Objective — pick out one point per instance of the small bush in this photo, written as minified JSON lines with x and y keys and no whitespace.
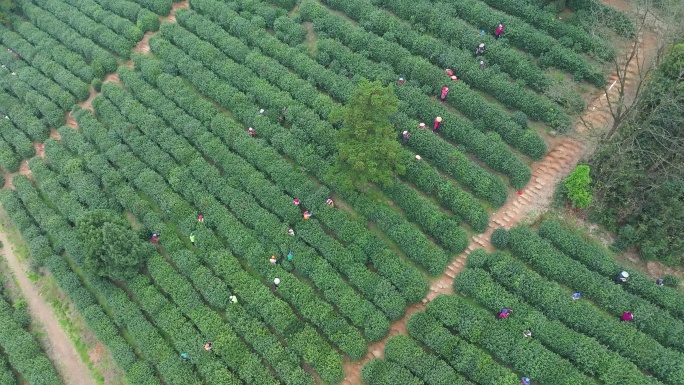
{"x":500,"y":238}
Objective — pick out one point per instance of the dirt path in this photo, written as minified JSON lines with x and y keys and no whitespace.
{"x":61,"y":351}
{"x":534,"y":198}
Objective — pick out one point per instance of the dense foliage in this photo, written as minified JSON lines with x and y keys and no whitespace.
{"x":576,"y":187}
{"x":367,"y":148}
{"x":639,"y":172}
{"x":111,"y":247}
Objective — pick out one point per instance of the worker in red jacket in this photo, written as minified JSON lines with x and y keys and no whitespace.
{"x":438,"y":123}
{"x":499,"y":31}
{"x":445,"y":92}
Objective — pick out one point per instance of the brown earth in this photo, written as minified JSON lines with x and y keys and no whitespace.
{"x":61,"y":351}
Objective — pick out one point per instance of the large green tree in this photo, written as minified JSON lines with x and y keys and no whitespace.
{"x":111,"y":247}
{"x":367,"y":144}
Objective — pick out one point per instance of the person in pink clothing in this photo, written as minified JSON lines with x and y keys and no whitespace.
{"x":627,"y":316}
{"x":438,"y":123}
{"x":499,"y":31}
{"x":445,"y":92}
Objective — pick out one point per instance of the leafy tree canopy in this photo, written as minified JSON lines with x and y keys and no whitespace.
{"x":111,"y":247}
{"x":367,"y":144}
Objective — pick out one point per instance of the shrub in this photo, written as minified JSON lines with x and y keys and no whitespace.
{"x":520,"y":119}
{"x":500,"y":238}
{"x":577,"y":186}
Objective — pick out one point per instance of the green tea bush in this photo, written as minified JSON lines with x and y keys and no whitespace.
{"x":417,"y":246}
{"x":579,"y":39}
{"x":289,"y":31}
{"x":23,"y":352}
{"x":70,"y":60}
{"x":528,"y":246}
{"x":117,"y":24}
{"x":595,"y":259}
{"x":503,"y":339}
{"x":90,"y":29}
{"x":381,"y":371}
{"x":500,"y":238}
{"x":100,"y":60}
{"x":22,"y":145}
{"x":582,"y":316}
{"x":584,"y":352}
{"x":529,"y":39}
{"x":458,"y":353}
{"x":407,"y":353}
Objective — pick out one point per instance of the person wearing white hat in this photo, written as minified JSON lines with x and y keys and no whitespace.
{"x":418,"y":158}
{"x":276,"y":282}
{"x":421,"y":126}
{"x":261,"y":111}
{"x":404,"y":137}
{"x":622,"y":277}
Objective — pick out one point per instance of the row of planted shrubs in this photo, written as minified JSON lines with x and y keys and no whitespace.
{"x":290,"y":179}
{"x":29,"y":86}
{"x":420,"y":70}
{"x":211,"y":287}
{"x":553,"y":264}
{"x":24,"y":117}
{"x":23,"y":352}
{"x":459,"y":201}
{"x":483,"y":183}
{"x":570,"y":35}
{"x":584,"y":352}
{"x":529,"y":39}
{"x":151,"y":185}
{"x":43,"y":254}
{"x":503,"y":340}
{"x":190,"y":341}
{"x":596,"y":259}
{"x":42,"y":61}
{"x":464,"y":204}
{"x":90,"y":29}
{"x":423,"y":253}
{"x":132,"y":319}
{"x":366,"y":315}
{"x":449,"y":235}
{"x":99,"y":58}
{"x":554,"y":301}
{"x":278,"y":202}
{"x":145,"y":336}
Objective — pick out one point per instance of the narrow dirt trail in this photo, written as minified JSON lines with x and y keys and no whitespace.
{"x":536,"y":196}
{"x":61,"y":352}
